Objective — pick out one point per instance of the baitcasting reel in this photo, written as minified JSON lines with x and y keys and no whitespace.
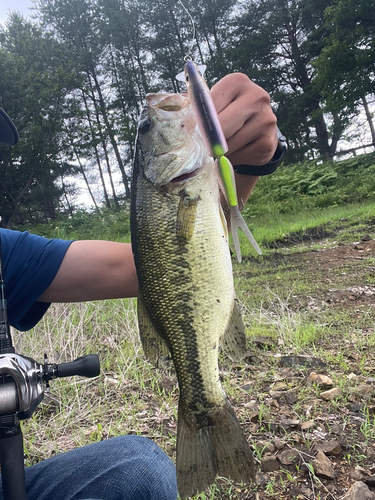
{"x":22,"y":383}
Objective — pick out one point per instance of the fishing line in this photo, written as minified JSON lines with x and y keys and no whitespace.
{"x":187,"y":55}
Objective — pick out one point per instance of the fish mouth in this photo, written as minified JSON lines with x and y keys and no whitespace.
{"x":167,"y":102}
{"x":185,"y":176}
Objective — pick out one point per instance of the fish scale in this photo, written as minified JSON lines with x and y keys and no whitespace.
{"x":186,"y":299}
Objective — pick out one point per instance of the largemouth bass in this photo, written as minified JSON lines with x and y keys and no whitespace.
{"x":186,"y":302}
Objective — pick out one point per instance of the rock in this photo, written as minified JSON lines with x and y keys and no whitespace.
{"x":290,"y":398}
{"x":337,"y":429}
{"x":351,"y":376}
{"x":168,"y":384}
{"x":323,"y":466}
{"x":366,"y":237}
{"x":329,"y":447}
{"x":261,"y":479}
{"x":278,"y":444}
{"x":358,"y":473}
{"x":254,"y":417}
{"x":264,"y":342}
{"x":370,"y":454}
{"x":279,"y":386}
{"x":359,"y":491}
{"x":365,"y":390}
{"x":305,"y":426}
{"x":305,"y":490}
{"x":331,"y":394}
{"x":370,"y":481}
{"x":307,"y":361}
{"x":288,"y":423}
{"x":323,"y":380}
{"x":269,"y":463}
{"x":264,"y":447}
{"x":289,"y":457}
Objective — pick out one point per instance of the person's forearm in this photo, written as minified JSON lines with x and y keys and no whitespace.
{"x":93,"y":270}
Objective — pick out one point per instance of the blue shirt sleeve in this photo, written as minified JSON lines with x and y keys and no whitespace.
{"x":30,"y":264}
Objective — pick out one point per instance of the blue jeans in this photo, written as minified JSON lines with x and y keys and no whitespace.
{"x":123,"y":468}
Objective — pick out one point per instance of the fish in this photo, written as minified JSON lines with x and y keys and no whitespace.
{"x":186,"y":302}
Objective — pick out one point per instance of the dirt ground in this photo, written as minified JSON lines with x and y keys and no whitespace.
{"x":314,"y":437}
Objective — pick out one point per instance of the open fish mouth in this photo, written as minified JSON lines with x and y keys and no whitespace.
{"x":167,"y":102}
{"x":185,"y":176}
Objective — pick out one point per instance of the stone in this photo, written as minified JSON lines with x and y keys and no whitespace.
{"x":329,"y":447}
{"x":264,"y":342}
{"x":307,"y":361}
{"x":279,"y":386}
{"x":261,"y":479}
{"x":269,"y":463}
{"x":337,"y":429}
{"x":278,"y":444}
{"x":289,"y":457}
{"x":365,"y":390}
{"x":331,"y":394}
{"x":323,"y":467}
{"x":305,"y":426}
{"x":318,"y":379}
{"x":264,"y":447}
{"x":254,"y":417}
{"x":366,"y":237}
{"x":288,"y":423}
{"x":359,"y":491}
{"x":290,"y":397}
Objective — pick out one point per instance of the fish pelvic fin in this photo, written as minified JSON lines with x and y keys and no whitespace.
{"x":218,"y":448}
{"x":153,"y":344}
{"x":233,"y":341}
{"x":237,"y":222}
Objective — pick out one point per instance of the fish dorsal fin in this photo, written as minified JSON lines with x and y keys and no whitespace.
{"x":153,"y":344}
{"x":187,"y":210}
{"x":233,"y":341}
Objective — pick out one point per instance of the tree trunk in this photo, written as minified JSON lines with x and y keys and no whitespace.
{"x":96,"y":150}
{"x":369,"y":119}
{"x":110,"y":131}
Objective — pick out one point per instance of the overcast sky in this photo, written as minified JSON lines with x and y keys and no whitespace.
{"x":7,"y":6}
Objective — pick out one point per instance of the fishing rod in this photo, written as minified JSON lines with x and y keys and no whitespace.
{"x":22,"y":383}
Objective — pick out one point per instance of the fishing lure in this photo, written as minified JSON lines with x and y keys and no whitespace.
{"x":208,"y":121}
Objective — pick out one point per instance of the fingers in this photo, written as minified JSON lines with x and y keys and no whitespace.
{"x":247,"y":119}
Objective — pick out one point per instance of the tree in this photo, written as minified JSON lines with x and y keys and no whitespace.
{"x":35,"y":80}
{"x":346,"y":66}
{"x":276,"y":42}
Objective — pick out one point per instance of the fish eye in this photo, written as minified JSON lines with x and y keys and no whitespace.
{"x":187,"y":78}
{"x":145,"y":126}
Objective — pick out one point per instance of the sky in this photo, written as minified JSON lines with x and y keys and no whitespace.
{"x":7,"y":6}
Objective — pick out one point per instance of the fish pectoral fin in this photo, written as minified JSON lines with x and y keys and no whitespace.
{"x":233,"y":341}
{"x":186,"y":213}
{"x":154,"y":346}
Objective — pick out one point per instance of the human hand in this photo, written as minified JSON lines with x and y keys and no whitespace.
{"x":247,"y":119}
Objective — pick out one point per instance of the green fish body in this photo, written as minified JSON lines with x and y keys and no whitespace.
{"x":186,"y":302}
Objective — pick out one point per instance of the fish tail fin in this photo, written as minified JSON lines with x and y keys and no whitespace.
{"x":219,"y":447}
{"x":233,"y":455}
{"x":237,"y":222}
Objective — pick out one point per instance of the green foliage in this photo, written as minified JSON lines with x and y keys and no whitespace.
{"x":346,"y":64}
{"x":313,"y":185}
{"x":104,"y":224}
